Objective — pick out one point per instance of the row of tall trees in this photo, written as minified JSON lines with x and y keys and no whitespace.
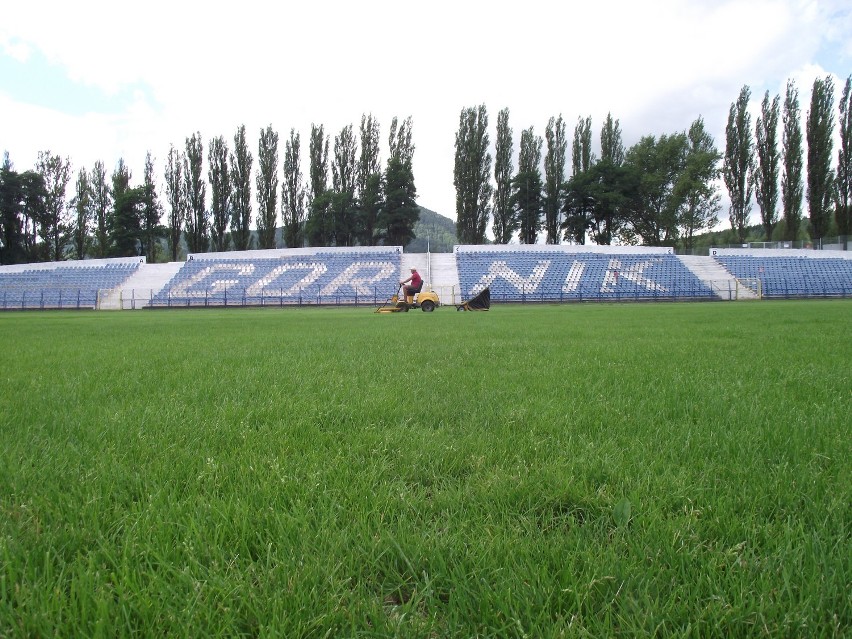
{"x":653,"y":193}
{"x":663,"y":190}
{"x":363,"y":205}
{"x":753,"y":162}
{"x":104,"y":217}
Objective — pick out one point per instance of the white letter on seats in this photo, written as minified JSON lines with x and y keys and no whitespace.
{"x":359,"y":284}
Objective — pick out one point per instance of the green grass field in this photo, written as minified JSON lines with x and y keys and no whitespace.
{"x":534,"y":471}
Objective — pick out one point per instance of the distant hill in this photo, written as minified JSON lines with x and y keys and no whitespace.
{"x":440,"y":232}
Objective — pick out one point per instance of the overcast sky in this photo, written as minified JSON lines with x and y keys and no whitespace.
{"x":100,"y":80}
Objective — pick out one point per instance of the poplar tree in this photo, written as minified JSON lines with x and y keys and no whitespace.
{"x":220,"y":192}
{"x":578,"y":203}
{"x":527,"y":199}
{"x":82,"y":204}
{"x":601,"y":185}
{"x":582,"y":157}
{"x":768,"y":163}
{"x":400,"y":211}
{"x":152,"y":229}
{"x":819,"y":129}
{"x":320,"y":228}
{"x":843,"y":180}
{"x":101,"y":206}
{"x":370,"y":187}
{"x":471,"y":176}
{"x":12,"y":198}
{"x":344,"y":184}
{"x":176,"y":200}
{"x":195,"y":192}
{"x":293,"y":192}
{"x":241,"y":164}
{"x":126,"y":218}
{"x":739,"y":163}
{"x":612,"y":148}
{"x":554,"y":177}
{"x":267,"y":187}
{"x":505,"y":222}
{"x":56,"y":225}
{"x":792,"y":188}
{"x":33,"y":210}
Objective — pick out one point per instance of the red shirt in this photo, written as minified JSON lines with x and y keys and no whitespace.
{"x":416,"y":280}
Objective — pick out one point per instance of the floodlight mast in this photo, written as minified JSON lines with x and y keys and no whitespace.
{"x":428,"y":262}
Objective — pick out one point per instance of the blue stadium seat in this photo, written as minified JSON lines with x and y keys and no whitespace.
{"x":321,"y":278}
{"x":559,"y":275}
{"x":789,"y":277}
{"x":61,"y":286}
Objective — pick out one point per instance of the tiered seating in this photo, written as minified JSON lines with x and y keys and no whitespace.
{"x":560,"y":275}
{"x":320,"y":278}
{"x":794,"y":276}
{"x":61,"y":286}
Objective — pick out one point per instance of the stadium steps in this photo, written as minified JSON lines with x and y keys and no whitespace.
{"x":140,"y":287}
{"x":709,"y":271}
{"x":438,"y":271}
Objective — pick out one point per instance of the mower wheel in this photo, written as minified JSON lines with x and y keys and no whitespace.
{"x":428,"y":306}
{"x":460,"y":308}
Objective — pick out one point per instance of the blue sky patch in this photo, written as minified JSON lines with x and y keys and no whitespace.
{"x":42,"y":83}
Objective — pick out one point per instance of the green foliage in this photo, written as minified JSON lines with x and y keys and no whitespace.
{"x":126,"y":232}
{"x":739,"y":162}
{"x":582,"y":157}
{"x":293,"y":193}
{"x":767,"y":167}
{"x":241,"y":163}
{"x":126,"y":221}
{"x":695,"y":187}
{"x":22,"y":206}
{"x":843,"y":189}
{"x":505,"y":221}
{"x":472,"y":175}
{"x":527,"y":189}
{"x":655,"y":167}
{"x":400,"y":212}
{"x":151,"y":214}
{"x":220,"y":192}
{"x":102,"y":208}
{"x":320,"y":225}
{"x":819,"y":131}
{"x":176,"y":198}
{"x":370,"y":204}
{"x":267,"y":187}
{"x":554,"y":178}
{"x":82,"y":205}
{"x":792,"y":187}
{"x":195,"y":192}
{"x":344,"y":182}
{"x":55,"y":225}
{"x":370,"y":182}
{"x":664,"y":485}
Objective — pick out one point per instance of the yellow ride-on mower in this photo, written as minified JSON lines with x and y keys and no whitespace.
{"x":424,"y":300}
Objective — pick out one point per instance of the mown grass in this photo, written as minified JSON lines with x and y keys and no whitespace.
{"x":540,"y":471}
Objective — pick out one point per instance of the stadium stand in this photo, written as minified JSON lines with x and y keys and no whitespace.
{"x":570,"y":273}
{"x":263,"y":278}
{"x":800,"y":275}
{"x":58,"y":285}
{"x":370,"y":275}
